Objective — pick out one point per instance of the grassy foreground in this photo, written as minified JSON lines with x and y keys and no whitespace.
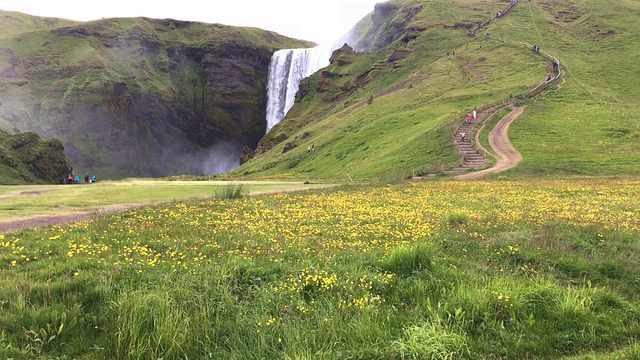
{"x":19,"y":202}
{"x":432,"y":270}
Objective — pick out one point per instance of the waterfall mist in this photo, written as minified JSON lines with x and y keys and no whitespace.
{"x":288,"y":67}
{"x":221,"y":158}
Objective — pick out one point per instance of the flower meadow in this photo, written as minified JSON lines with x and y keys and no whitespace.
{"x":426,"y":270}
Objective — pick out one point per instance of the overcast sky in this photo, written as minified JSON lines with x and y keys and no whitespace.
{"x":320,"y":21}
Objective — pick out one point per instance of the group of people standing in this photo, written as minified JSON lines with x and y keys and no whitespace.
{"x":75,"y":179}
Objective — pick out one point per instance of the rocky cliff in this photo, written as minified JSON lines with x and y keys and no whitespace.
{"x":139,"y":97}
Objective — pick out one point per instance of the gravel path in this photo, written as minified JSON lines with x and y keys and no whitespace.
{"x":508,"y":156}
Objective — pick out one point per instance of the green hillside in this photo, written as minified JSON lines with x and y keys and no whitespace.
{"x":391,"y":112}
{"x":15,"y":23}
{"x":137,"y":96}
{"x":25,"y":158}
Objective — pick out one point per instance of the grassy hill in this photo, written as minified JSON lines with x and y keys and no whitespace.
{"x":15,"y":23}
{"x":391,"y":113}
{"x":137,"y":96}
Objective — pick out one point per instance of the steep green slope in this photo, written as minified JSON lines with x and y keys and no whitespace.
{"x":26,"y":159}
{"x":392,"y":112}
{"x":140,"y":97}
{"x":592,"y":124}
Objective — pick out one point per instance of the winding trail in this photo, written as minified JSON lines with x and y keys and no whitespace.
{"x":508,"y":156}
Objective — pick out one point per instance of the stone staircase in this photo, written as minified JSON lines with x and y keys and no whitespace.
{"x":471,"y":158}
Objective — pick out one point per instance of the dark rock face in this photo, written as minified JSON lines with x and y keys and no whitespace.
{"x":151,"y":99}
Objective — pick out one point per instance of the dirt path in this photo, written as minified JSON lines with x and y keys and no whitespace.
{"x":508,"y":156}
{"x":48,"y":220}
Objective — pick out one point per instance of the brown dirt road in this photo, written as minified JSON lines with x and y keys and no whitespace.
{"x":508,"y":156}
{"x":48,"y":220}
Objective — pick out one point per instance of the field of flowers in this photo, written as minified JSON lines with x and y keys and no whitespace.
{"x":433,"y":270}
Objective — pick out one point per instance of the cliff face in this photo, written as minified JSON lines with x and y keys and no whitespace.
{"x":140,"y":97}
{"x":389,"y":21}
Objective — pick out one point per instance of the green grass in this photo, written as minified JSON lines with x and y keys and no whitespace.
{"x":588,"y":125}
{"x":15,"y":23}
{"x":27,"y":201}
{"x":441,"y":269}
{"x":407,"y":130}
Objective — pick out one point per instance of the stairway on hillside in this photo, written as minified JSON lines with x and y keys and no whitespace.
{"x":471,"y":156}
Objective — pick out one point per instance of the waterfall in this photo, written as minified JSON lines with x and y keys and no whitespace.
{"x":287,"y":69}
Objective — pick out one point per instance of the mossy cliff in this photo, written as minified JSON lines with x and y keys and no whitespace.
{"x":137,"y":96}
{"x":26,"y":158}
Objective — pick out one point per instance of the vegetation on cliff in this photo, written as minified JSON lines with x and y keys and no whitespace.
{"x":138,"y":96}
{"x":25,"y":158}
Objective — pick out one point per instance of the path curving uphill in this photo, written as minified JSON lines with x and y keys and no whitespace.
{"x":508,"y":156}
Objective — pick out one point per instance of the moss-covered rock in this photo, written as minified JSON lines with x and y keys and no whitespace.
{"x":26,"y":158}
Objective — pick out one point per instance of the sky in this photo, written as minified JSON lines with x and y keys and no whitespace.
{"x":321,"y":21}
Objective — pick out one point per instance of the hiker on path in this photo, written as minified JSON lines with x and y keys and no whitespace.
{"x":469,"y":117}
{"x":76,"y":179}
{"x":475,"y":114}
{"x":462,"y":135}
{"x":86,"y":179}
